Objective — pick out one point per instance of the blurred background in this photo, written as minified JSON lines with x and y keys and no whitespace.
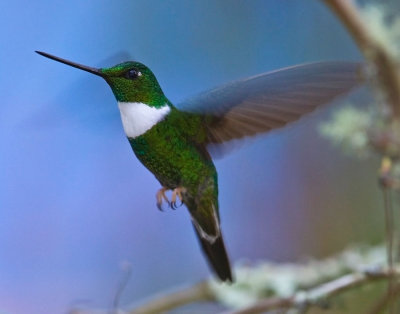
{"x":75,"y":203}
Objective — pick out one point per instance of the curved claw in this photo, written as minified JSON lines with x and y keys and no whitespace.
{"x":160,"y":196}
{"x":175,"y":205}
{"x":177,"y":194}
{"x":160,"y":206}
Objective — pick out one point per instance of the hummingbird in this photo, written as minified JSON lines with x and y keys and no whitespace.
{"x":175,"y":142}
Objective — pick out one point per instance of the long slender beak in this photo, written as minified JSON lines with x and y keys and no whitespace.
{"x":73,"y":64}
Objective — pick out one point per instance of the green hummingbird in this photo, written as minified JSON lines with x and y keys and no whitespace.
{"x":174,"y":142}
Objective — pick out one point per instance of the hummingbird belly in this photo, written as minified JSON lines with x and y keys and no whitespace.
{"x":173,"y":159}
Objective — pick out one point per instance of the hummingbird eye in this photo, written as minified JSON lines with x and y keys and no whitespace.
{"x":132,"y":74}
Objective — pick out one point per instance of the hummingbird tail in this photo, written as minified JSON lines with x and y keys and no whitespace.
{"x":216,"y":255}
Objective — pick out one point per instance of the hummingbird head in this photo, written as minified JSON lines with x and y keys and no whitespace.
{"x":130,"y":81}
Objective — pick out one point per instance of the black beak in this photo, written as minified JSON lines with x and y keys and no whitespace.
{"x":73,"y":64}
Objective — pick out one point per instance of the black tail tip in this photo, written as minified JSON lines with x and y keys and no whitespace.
{"x":228,"y":279}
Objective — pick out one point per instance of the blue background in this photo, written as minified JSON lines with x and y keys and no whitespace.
{"x":74,"y":201}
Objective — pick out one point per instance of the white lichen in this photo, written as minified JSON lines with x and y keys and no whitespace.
{"x":349,"y":128}
{"x":383,"y":26}
{"x":269,"y":279}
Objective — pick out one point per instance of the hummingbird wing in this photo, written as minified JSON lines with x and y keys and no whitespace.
{"x":270,"y":100}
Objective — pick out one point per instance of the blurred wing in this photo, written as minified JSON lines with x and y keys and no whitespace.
{"x":270,"y":100}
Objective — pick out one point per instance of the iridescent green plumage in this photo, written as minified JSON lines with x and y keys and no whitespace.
{"x":146,"y":90}
{"x":173,"y":150}
{"x":174,"y":143}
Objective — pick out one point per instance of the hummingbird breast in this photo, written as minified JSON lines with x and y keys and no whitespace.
{"x":167,"y":150}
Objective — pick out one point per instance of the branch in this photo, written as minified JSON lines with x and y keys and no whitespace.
{"x":313,"y":297}
{"x":266,"y":305}
{"x":348,"y":14}
{"x":197,"y":293}
{"x":260,"y":288}
{"x":300,"y":300}
{"x":386,"y":66}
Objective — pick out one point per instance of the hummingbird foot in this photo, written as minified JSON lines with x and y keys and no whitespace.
{"x":177,"y":193}
{"x":160,"y":196}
